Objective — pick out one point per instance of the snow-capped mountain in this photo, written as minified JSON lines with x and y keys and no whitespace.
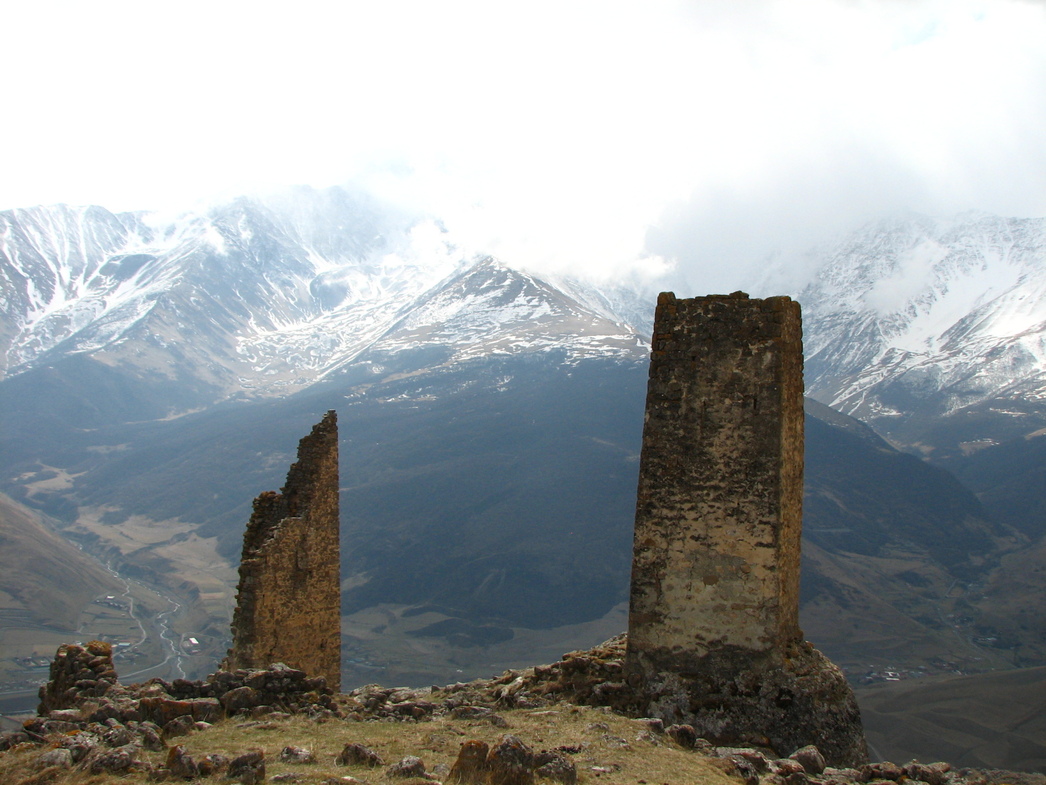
{"x":257,"y":298}
{"x":489,"y":308}
{"x":188,"y":297}
{"x":907,"y":317}
{"x":916,"y":316}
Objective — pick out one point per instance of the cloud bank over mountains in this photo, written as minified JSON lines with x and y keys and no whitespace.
{"x":567,"y":136}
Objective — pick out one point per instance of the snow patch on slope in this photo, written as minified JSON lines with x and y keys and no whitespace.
{"x":954,"y":308}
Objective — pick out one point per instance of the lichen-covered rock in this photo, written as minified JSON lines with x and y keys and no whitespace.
{"x":810,"y":758}
{"x":683,"y":735}
{"x":883,"y":770}
{"x":116,"y":761}
{"x":554,"y":766}
{"x":119,"y":736}
{"x":786,"y":766}
{"x":60,"y":757}
{"x":212,"y":764}
{"x":470,"y":767}
{"x":248,"y":768}
{"x":179,"y":726}
{"x":293,"y":754}
{"x":77,"y":672}
{"x":782,"y":703}
{"x":354,"y":754}
{"x":737,"y":767}
{"x":752,"y":756}
{"x":12,"y":739}
{"x":410,"y":766}
{"x":180,"y":764}
{"x":240,"y":699}
{"x":930,"y":773}
{"x":510,"y":762}
{"x":81,"y":745}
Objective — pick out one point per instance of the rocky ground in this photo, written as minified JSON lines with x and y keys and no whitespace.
{"x":567,"y":722}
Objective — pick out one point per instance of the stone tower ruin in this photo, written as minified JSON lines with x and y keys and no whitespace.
{"x":713,"y":635}
{"x":288,"y":602}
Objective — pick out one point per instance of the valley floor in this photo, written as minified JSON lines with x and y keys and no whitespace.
{"x":993,"y":719}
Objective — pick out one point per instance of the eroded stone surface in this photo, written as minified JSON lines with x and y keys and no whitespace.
{"x":714,"y":638}
{"x":288,"y":605}
{"x":719,"y":510}
{"x":78,"y":672}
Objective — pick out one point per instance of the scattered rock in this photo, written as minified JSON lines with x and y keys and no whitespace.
{"x":179,"y":726}
{"x":683,"y":735}
{"x":410,"y":766}
{"x":786,"y":766}
{"x":180,"y":764}
{"x":653,"y":724}
{"x":66,"y":715}
{"x":738,"y":768}
{"x":248,"y":768}
{"x":470,"y":767}
{"x":297,"y":755}
{"x":60,"y":757}
{"x":81,"y":745}
{"x":358,"y":755}
{"x":210,"y":765}
{"x":151,"y":737}
{"x":930,"y":773}
{"x":11,"y":739}
{"x":752,"y":756}
{"x":470,"y":712}
{"x":119,"y":736}
{"x":555,"y":766}
{"x":880,"y":771}
{"x":103,"y":735}
{"x":239,"y":700}
{"x":117,"y":761}
{"x":811,"y":759}
{"x":510,"y":762}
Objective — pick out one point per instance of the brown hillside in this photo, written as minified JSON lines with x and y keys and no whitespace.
{"x":43,"y":573}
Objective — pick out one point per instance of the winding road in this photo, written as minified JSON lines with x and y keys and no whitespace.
{"x":167,"y":637}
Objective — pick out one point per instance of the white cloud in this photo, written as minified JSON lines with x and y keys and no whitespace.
{"x":553,"y":134}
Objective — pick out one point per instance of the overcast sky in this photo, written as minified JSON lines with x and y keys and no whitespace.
{"x":563,"y":134}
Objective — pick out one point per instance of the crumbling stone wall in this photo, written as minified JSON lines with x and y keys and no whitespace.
{"x":288,"y":605}
{"x":714,"y":636}
{"x":78,"y":672}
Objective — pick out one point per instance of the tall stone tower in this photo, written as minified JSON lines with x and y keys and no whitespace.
{"x":713,"y":635}
{"x":288,"y":603}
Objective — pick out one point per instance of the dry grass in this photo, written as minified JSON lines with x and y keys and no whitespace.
{"x":611,"y":749}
